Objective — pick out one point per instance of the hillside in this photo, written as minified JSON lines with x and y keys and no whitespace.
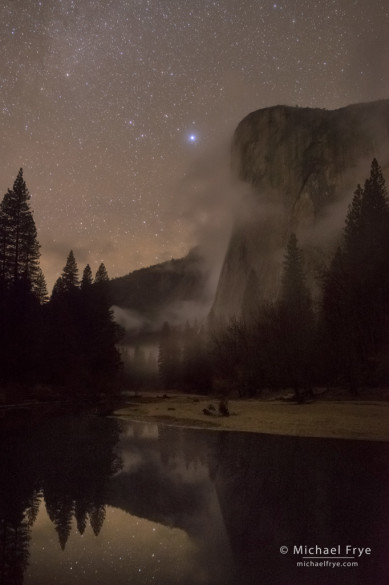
{"x":164,"y":291}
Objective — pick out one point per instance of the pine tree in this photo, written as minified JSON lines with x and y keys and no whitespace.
{"x":40,"y":288}
{"x":169,"y":358}
{"x":139,"y":367}
{"x":204,"y":369}
{"x":64,"y":346}
{"x":4,"y":269}
{"x":339,"y":327}
{"x":102,"y":334}
{"x":366,"y":229}
{"x":251,"y":299}
{"x":83,"y":333}
{"x":19,"y":247}
{"x":101,"y":274}
{"x":69,"y":274}
{"x":87,"y":278}
{"x":58,"y":288}
{"x":294,"y":291}
{"x":364,"y":302}
{"x":353,"y":229}
{"x":189,"y":356}
{"x":296,"y":320}
{"x":102,"y":286}
{"x":21,"y":288}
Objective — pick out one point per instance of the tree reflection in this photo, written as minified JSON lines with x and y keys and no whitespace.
{"x":14,"y":543}
{"x":237,"y":496}
{"x":60,"y":510}
{"x":67,"y":461}
{"x":19,"y":504}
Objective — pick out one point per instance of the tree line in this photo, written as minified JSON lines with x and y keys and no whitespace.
{"x":62,"y":345}
{"x":66,"y":344}
{"x":341,"y":339}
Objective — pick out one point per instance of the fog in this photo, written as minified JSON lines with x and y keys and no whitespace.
{"x":207,"y":200}
{"x":212,"y":203}
{"x":211,"y":198}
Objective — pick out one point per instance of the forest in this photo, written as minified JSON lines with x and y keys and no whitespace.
{"x":68,"y":345}
{"x":340,"y":338}
{"x":63,"y":346}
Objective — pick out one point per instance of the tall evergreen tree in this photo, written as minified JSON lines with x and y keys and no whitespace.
{"x":294,"y":291}
{"x":40,"y":288}
{"x":64,"y":345}
{"x":296,"y":320}
{"x":101,"y":286}
{"x":87,"y":278}
{"x":101,"y":274}
{"x":359,"y":313}
{"x":338,"y":325}
{"x":100,"y":332}
{"x":169,"y":357}
{"x":69,"y":274}
{"x":58,"y":288}
{"x":83,"y":333}
{"x":189,"y":356}
{"x":21,"y":287}
{"x":19,"y":247}
{"x":251,"y":299}
{"x":367,"y":260}
{"x":366,"y":230}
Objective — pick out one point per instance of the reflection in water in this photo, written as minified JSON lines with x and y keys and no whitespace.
{"x":289,"y":491}
{"x":88,"y":500}
{"x":128,"y":550}
{"x":68,"y":461}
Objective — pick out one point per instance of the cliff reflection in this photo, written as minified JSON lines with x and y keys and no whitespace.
{"x":284,"y":491}
{"x":184,"y":506}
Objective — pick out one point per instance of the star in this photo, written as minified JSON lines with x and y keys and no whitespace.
{"x":95,"y":105}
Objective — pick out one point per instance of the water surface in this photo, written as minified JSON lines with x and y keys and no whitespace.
{"x":87,"y":500}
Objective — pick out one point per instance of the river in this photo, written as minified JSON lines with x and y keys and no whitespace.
{"x":90,"y":501}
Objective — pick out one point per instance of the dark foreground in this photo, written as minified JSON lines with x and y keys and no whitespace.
{"x":90,"y":500}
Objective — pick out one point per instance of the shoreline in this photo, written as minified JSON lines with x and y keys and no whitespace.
{"x":353,"y":420}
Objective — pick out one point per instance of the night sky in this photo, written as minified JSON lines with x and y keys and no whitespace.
{"x":121,"y":111}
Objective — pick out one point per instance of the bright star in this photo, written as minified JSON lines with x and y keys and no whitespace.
{"x":192,"y":138}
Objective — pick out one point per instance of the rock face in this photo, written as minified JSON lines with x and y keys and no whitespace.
{"x":303,"y":166}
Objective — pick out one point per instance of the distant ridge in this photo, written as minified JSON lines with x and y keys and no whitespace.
{"x":149,"y":291}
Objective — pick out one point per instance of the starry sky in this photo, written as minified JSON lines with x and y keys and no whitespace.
{"x":121,"y":111}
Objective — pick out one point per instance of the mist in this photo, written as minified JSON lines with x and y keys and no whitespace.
{"x":289,"y":196}
{"x":206,"y":201}
{"x":210,"y":197}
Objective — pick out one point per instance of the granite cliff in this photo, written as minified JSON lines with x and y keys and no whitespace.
{"x":303,"y":166}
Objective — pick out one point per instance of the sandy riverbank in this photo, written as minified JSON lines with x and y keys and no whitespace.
{"x":367,"y":420}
